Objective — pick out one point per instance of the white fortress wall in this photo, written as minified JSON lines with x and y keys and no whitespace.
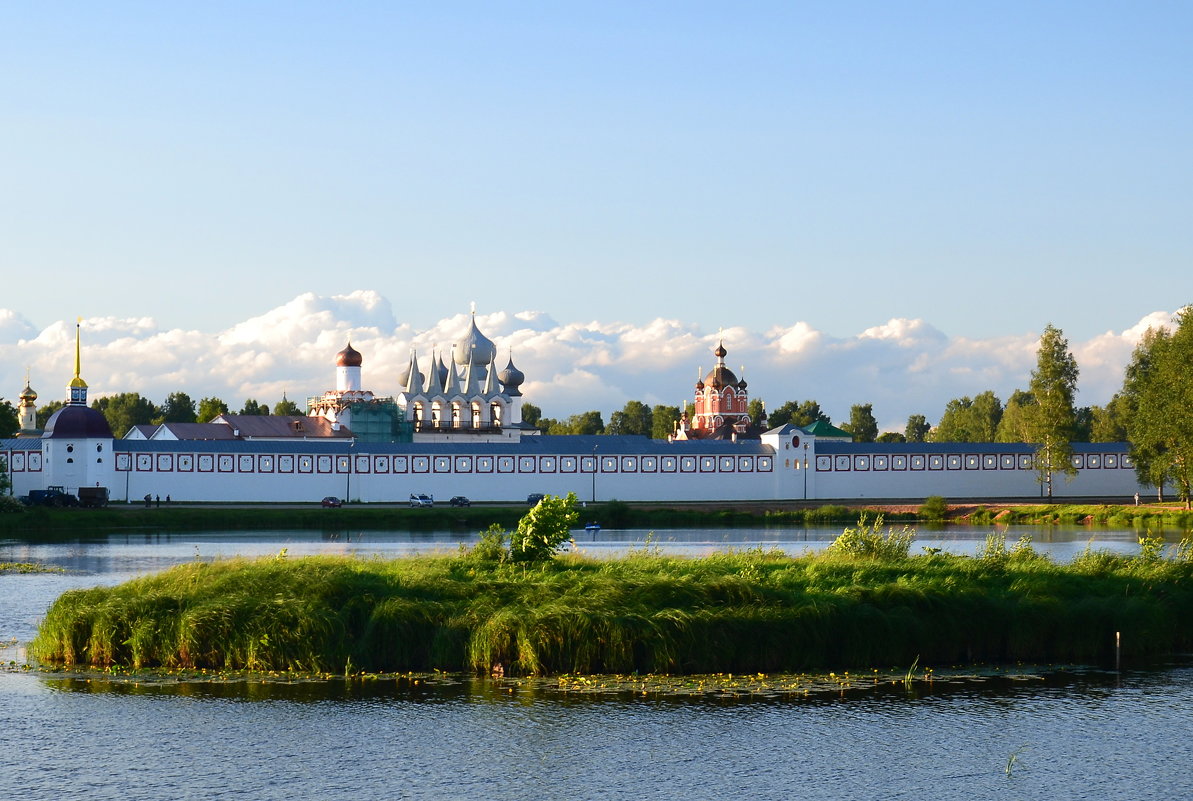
{"x":627,"y":468}
{"x":993,"y":470}
{"x":23,"y":461}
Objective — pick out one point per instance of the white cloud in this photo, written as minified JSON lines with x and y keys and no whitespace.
{"x":902,"y":366}
{"x":14,"y":327}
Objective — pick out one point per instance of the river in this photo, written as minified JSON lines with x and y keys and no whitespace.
{"x":1027,"y":732}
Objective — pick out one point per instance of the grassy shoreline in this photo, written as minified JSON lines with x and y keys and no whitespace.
{"x":742,"y":612}
{"x":69,"y":522}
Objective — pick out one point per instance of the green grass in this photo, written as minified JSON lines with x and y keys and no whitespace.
{"x":740,"y":612}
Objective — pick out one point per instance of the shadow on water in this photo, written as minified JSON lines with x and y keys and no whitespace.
{"x":993,"y":684}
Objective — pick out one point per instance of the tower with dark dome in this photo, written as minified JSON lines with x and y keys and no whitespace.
{"x":721,"y":404}
{"x":348,"y":362}
{"x":349,"y":406}
{"x":77,"y":441}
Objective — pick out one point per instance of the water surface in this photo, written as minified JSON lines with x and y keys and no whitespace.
{"x":1074,"y":734}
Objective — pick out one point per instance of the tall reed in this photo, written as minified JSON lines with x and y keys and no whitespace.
{"x":744,"y":611}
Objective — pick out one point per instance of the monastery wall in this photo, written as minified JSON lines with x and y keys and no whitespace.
{"x":24,"y":461}
{"x":965,"y":470}
{"x":600,"y":468}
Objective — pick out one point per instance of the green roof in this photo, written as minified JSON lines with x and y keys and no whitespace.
{"x":823,"y":429}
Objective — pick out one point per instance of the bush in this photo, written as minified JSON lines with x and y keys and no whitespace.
{"x":868,"y":542}
{"x":493,"y":545}
{"x":934,"y":508}
{"x":544,"y":529}
{"x":10,"y":504}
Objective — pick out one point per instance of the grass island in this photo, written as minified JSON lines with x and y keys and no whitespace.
{"x":513,"y":604}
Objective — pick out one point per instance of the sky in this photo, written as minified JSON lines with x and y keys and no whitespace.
{"x":953,"y":176}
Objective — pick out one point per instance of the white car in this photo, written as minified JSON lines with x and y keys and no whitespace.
{"x":417,"y":501}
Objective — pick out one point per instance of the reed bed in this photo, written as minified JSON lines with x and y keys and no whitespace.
{"x":749,"y":611}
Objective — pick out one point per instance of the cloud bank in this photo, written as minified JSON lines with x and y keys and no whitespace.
{"x":901,"y":366}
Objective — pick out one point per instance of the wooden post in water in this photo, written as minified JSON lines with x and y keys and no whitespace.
{"x":1118,"y":648}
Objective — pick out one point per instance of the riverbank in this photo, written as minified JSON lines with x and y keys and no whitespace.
{"x":43,"y":522}
{"x":743,"y":612}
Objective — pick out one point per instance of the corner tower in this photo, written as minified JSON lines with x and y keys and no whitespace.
{"x":77,"y":443}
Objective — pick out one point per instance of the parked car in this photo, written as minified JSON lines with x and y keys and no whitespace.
{"x":331,"y":502}
{"x":534,"y":498}
{"x":460,"y":500}
{"x":422,"y":501}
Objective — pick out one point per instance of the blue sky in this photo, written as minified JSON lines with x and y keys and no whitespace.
{"x":987,"y":168}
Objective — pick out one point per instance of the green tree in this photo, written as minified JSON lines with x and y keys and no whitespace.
{"x":1016,"y":424}
{"x":1083,"y":424}
{"x":544,"y":529}
{"x":531,"y":414}
{"x":917,"y":428}
{"x":286,"y":408}
{"x":891,"y":436}
{"x":177,"y":408}
{"x":44,"y":413}
{"x":1053,"y":385}
{"x":125,"y":410}
{"x":252,"y":407}
{"x":634,"y":418}
{"x":798,"y":413}
{"x":1110,"y":421}
{"x":1158,"y":388}
{"x":10,"y":422}
{"x":756,"y":409}
{"x":583,"y":423}
{"x":663,"y":420}
{"x":968,"y":419}
{"x":211,"y":408}
{"x":862,"y":424}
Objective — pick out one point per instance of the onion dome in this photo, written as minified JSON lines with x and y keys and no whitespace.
{"x":77,"y":422}
{"x":441,"y":368}
{"x":27,"y":394}
{"x":511,"y":377}
{"x":475,"y":348}
{"x":349,"y":357}
{"x":720,"y":376}
{"x":699,"y":381}
{"x":411,"y":369}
